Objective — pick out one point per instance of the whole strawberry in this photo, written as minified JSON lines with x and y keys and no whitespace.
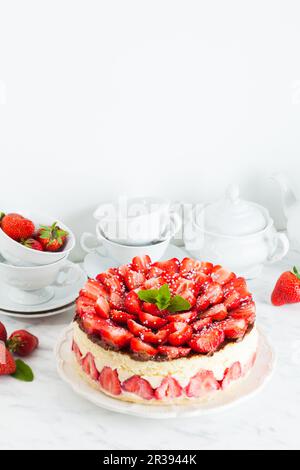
{"x":7,"y":363}
{"x":287,"y":288}
{"x":52,"y":237}
{"x":3,"y":333}
{"x":17,"y":227}
{"x":22,"y":343}
{"x":33,"y":244}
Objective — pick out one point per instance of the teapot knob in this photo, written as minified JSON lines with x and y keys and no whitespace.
{"x":233,"y":193}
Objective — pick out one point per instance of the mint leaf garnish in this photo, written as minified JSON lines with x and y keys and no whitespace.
{"x":163,"y":300}
{"x":178,"y":304}
{"x":23,"y":372}
{"x":148,"y":295}
{"x":163,"y":297}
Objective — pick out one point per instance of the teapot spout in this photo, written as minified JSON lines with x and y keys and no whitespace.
{"x":287,"y":194}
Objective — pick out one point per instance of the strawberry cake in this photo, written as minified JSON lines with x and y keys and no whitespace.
{"x":164,"y":332}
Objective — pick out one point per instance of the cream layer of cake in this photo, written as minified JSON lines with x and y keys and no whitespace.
{"x":182,"y":369}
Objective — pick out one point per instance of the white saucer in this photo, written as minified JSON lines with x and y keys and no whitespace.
{"x":63,"y":297}
{"x":49,"y":313}
{"x":257,"y":378}
{"x":94,"y":263}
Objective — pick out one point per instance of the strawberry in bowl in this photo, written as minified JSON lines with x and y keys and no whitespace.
{"x":164,"y":332}
{"x":33,"y":239}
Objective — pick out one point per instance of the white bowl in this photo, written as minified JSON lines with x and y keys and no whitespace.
{"x":19,"y":255}
{"x":30,"y":285}
{"x":123,"y":253}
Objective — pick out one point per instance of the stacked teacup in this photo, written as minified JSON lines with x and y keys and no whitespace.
{"x":132,"y":227}
{"x":30,"y":274}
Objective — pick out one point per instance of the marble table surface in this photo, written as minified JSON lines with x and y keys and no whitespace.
{"x":47,"y":414}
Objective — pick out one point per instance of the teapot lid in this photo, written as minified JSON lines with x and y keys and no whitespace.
{"x":234,"y":216}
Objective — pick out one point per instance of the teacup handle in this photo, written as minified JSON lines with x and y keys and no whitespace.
{"x":176,"y":220}
{"x":282,"y":247}
{"x":71,"y":275}
{"x":97,"y":249}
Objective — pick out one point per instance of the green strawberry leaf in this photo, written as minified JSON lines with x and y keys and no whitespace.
{"x":296,"y":272}
{"x":163,"y":297}
{"x":178,"y":304}
{"x":148,"y":295}
{"x":23,"y":372}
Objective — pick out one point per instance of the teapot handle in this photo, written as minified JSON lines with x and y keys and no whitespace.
{"x":282,"y":247}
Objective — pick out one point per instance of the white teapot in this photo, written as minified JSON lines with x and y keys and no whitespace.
{"x":235,"y":233}
{"x":291,"y":208}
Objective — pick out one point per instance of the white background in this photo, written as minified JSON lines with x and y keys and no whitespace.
{"x":173,"y":98}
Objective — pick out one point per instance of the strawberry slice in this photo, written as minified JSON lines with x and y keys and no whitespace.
{"x":92,"y":323}
{"x":246,"y":311}
{"x":133,"y":279}
{"x":94,"y":289}
{"x":141,"y":263}
{"x":213,"y":294}
{"x":169,"y":388}
{"x":156,"y":338}
{"x":76,"y":351}
{"x":109,"y":381}
{"x":231,"y":373}
{"x":154,"y":272}
{"x":132,"y":302}
{"x":221,"y":275}
{"x":207,"y":341}
{"x":102,"y":307}
{"x":216,"y":313}
{"x":135,"y":328}
{"x":202,"y":323}
{"x":182,"y":334}
{"x":172,"y":352}
{"x":121,"y":317}
{"x":232,"y":300}
{"x":235,"y":293}
{"x":201,"y":384}
{"x":115,"y":336}
{"x":153,"y":309}
{"x":170,"y":266}
{"x":152,"y":321}
{"x":89,"y":366}
{"x":190,"y":268}
{"x":234,"y":328}
{"x":186,"y":289}
{"x":183,"y":317}
{"x":206,"y":267}
{"x":116,"y":300}
{"x":142,"y":349}
{"x":111,"y":280}
{"x":154,"y":283}
{"x":84,"y":305}
{"x":202,"y":303}
{"x":138,"y":386}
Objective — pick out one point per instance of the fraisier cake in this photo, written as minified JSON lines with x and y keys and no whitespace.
{"x":164,"y":332}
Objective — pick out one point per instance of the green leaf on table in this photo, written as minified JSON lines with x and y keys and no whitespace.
{"x":23,"y":372}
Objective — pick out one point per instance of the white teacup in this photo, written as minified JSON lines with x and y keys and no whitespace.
{"x":136,"y":221}
{"x":31,"y":285}
{"x":122,"y":253}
